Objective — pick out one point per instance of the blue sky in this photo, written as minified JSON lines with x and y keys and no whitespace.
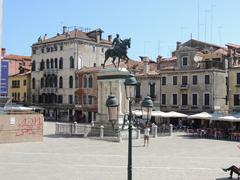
{"x":153,"y":25}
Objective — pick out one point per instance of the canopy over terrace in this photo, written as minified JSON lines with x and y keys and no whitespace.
{"x":154,"y":113}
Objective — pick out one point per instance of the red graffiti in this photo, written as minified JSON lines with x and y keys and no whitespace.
{"x":30,"y":126}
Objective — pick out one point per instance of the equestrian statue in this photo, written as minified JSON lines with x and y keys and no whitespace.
{"x":118,"y":50}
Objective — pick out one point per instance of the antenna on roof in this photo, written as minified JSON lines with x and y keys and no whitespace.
{"x":220,"y":34}
{"x":205,"y":25}
{"x":198,"y":23}
{"x":211,"y":27}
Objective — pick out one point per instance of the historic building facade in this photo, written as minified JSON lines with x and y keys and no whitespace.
{"x":55,"y":61}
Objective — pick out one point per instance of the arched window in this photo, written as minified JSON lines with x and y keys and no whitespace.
{"x":61,"y":63}
{"x":51,"y":81}
{"x":70,"y":82}
{"x":33,"y":65}
{"x":55,"y":81}
{"x":33,"y":83}
{"x":42,"y":65}
{"x":60,"y":82}
{"x":90,"y":82}
{"x":71,"y":62}
{"x":47,"y":63}
{"x":51,"y":63}
{"x":56,"y":63}
{"x":42,"y":82}
{"x":85,"y":81}
{"x":46,"y":81}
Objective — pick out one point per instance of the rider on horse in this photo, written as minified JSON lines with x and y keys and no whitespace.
{"x":116,"y":42}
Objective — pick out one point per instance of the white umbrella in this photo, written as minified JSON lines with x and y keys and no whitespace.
{"x":229,"y":118}
{"x":154,"y":113}
{"x":175,"y":114}
{"x":202,"y":115}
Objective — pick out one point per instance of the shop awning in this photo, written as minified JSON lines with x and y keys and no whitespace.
{"x":174,"y":114}
{"x":229,"y":118}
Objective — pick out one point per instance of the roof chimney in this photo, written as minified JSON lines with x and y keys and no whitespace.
{"x":178,"y":45}
{"x":110,"y":38}
{"x":3,"y":52}
{"x":145,"y":60}
{"x":64,"y":29}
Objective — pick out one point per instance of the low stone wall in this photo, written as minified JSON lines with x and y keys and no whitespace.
{"x":21,"y":127}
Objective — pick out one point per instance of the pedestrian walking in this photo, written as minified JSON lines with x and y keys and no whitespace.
{"x":146,"y":135}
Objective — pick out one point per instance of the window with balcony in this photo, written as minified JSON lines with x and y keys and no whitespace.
{"x":71,"y":62}
{"x":194,"y":80}
{"x":163,"y":99}
{"x":174,"y":99}
{"x":207,"y":79}
{"x":184,"y":99}
{"x":194,"y":99}
{"x":70,"y":82}
{"x":184,"y":80}
{"x":164,"y":81}
{"x":174,"y":80}
{"x":33,"y":83}
{"x":90,"y":99}
{"x":206,"y":99}
{"x":84,"y":99}
{"x":60,"y":82}
{"x":85,"y":81}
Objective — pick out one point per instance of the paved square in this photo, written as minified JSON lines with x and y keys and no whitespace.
{"x":167,"y":158}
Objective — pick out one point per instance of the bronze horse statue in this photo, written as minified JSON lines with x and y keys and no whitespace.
{"x":120,"y":52}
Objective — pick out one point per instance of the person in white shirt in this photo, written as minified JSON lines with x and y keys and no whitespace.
{"x":146,"y":135}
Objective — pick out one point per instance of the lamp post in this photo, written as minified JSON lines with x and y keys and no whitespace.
{"x":147,"y":106}
{"x":112,"y":105}
{"x":130,"y":85}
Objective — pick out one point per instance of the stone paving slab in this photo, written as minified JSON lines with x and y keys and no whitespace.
{"x":71,"y":158}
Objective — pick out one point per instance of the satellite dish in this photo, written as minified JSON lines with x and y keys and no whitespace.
{"x":198,"y":58}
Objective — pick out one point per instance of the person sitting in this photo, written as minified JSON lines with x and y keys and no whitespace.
{"x":232,"y":169}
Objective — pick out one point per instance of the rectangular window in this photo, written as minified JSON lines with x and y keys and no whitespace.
{"x":194,"y":100}
{"x":25,"y":96}
{"x":61,"y":47}
{"x":163,"y":81}
{"x":174,"y":99}
{"x":70,"y":99}
{"x":207,"y":79}
{"x":138,"y":90}
{"x":60,"y":98}
{"x":184,"y":61}
{"x":194,"y":80}
{"x":238,"y":78}
{"x":84,"y":99}
{"x":42,"y":50}
{"x":163,"y":99}
{"x":236,"y":100}
{"x":184,"y":80}
{"x":24,"y":82}
{"x":90,"y":100}
{"x":174,"y":80}
{"x":152,"y":90}
{"x":33,"y":98}
{"x":206,"y":99}
{"x":184,"y":99}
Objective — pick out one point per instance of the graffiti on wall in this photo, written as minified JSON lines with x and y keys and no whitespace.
{"x":30,"y":126}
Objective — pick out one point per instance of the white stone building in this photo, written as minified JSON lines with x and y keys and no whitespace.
{"x":54,"y":62}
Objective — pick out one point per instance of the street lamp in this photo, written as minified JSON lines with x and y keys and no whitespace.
{"x":130,"y":85}
{"x":147,"y":106}
{"x":112,"y":105}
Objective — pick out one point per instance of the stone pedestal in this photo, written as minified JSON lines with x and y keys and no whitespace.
{"x":111,"y":80}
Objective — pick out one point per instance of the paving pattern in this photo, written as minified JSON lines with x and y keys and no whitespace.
{"x":74,"y":158}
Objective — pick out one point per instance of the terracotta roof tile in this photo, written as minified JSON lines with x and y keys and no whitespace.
{"x":17,"y":57}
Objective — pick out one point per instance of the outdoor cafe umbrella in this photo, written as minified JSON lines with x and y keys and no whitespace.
{"x":174,"y":114}
{"x":202,"y":115}
{"x":229,"y":119}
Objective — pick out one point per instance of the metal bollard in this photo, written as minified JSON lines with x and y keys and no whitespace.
{"x":119,"y":136}
{"x":170,"y":129}
{"x":155,"y":131}
{"x":153,"y":127}
{"x":101,"y":131}
{"x":138,"y":134}
{"x":75,"y":127}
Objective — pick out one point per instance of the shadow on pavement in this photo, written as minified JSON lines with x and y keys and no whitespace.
{"x":226,"y":178}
